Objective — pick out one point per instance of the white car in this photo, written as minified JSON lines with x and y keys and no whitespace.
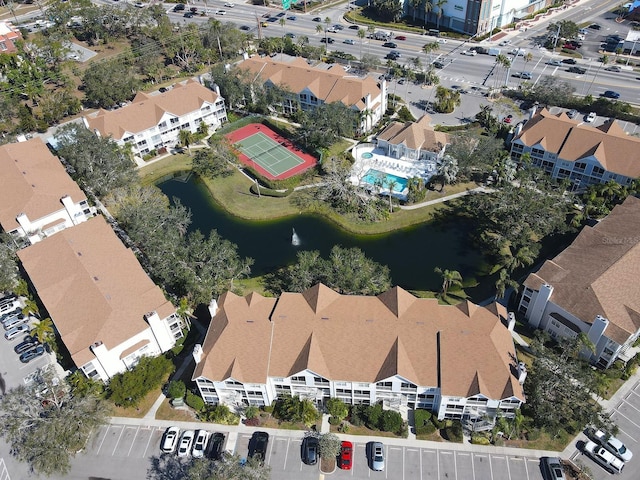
{"x":442,"y":40}
{"x":229,"y":5}
{"x":200,"y":443}
{"x":554,"y":63}
{"x":170,"y":440}
{"x":504,"y":43}
{"x":471,"y":53}
{"x":614,"y":445}
{"x":606,"y":459}
{"x":184,"y":449}
{"x":350,"y":41}
{"x":518,"y":52}
{"x":221,"y":12}
{"x":591,"y":117}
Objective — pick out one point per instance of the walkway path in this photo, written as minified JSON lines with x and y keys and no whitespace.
{"x":447,"y":198}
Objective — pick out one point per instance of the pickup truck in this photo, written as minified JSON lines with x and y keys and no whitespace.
{"x":605,"y":458}
{"x":612,"y":444}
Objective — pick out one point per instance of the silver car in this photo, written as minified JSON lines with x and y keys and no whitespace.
{"x":184,"y":449}
{"x":377,"y":456}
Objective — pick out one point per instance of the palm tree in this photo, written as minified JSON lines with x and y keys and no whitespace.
{"x":502,"y":63}
{"x":503,"y":282}
{"x":429,"y":48}
{"x":371,"y":30}
{"x":450,"y":278}
{"x":327,"y":21}
{"x":427,"y":8}
{"x":439,"y":4}
{"x":282,"y":23}
{"x":391,"y":184}
{"x":527,"y":58}
{"x":43,"y":330}
{"x":30,"y":307}
{"x":447,"y":170}
{"x":603,"y":61}
{"x":415,"y":4}
{"x":186,"y":138}
{"x":361,"y":34}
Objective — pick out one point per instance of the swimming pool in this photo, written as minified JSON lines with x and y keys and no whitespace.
{"x":373,"y":175}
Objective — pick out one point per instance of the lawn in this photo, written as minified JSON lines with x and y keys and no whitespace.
{"x":167,"y":412}
{"x":364,"y":431}
{"x":143,"y":407}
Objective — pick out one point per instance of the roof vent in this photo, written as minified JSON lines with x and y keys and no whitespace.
{"x":419,"y":323}
{"x":369,"y":320}
{"x":324,"y":318}
{"x":249,"y":321}
{"x":79,"y":254}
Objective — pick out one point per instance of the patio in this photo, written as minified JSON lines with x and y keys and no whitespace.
{"x":369,"y":157}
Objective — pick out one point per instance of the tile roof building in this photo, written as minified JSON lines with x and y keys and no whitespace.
{"x":407,"y":352}
{"x":592,"y":288}
{"x":586,"y":155}
{"x":314,"y":86}
{"x":153,"y":122}
{"x":106,"y":309}
{"x":9,"y":35}
{"x":413,"y":140}
{"x":37,"y":196}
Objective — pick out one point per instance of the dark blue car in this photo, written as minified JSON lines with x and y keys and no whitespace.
{"x":611,"y":94}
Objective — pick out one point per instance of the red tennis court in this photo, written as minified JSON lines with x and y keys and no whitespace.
{"x":269,"y":153}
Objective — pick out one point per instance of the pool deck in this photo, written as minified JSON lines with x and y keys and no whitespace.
{"x":402,"y":168}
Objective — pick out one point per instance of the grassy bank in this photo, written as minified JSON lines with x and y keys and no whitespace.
{"x":232,"y":193}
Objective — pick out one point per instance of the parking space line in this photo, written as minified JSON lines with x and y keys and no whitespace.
{"x":403,"y":462}
{"x":120,"y":437}
{"x":508,"y":468}
{"x":438,"y":461}
{"x":286,"y":455}
{"x":149,"y":441}
{"x":133,"y":442}
{"x":490,"y":466}
{"x":103,"y":439}
{"x":622,"y":414}
{"x":473,"y":466}
{"x":622,"y":431}
{"x":623,"y":402}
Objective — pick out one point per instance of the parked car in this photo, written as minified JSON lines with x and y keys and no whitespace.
{"x":390,"y":45}
{"x":570,"y":61}
{"x":575,"y":43}
{"x":7,"y":317}
{"x":258,"y":445}
{"x":603,"y":457}
{"x":184,"y":449}
{"x":214,"y":446}
{"x":612,"y":444}
{"x":471,"y":53}
{"x":346,"y":455}
{"x":552,"y":468}
{"x":572,"y":113}
{"x":32,"y":353}
{"x":569,"y":46}
{"x":591,"y":117}
{"x":613,"y":68}
{"x":170,"y":440}
{"x":310,"y":450}
{"x":508,"y":119}
{"x":611,"y":94}
{"x":578,"y":70}
{"x":377,"y":456}
{"x":554,"y":63}
{"x":14,"y":321}
{"x":200,"y":443}
{"x":16,"y":331}
{"x":28,"y":343}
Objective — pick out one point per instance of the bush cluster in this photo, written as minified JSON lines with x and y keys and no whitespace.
{"x":219,"y":414}
{"x":194,"y":401}
{"x":375,"y":418}
{"x":423,"y":422}
{"x":128,"y":388}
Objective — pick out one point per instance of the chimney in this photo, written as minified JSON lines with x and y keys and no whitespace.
{"x":511,"y":321}
{"x":522,"y":372}
{"x":213,"y":307}
{"x":197,"y":353}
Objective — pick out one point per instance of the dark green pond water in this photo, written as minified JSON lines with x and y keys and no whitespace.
{"x":411,"y":254}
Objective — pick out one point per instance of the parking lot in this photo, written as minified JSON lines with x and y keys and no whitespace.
{"x":124,"y":451}
{"x":626,"y":414}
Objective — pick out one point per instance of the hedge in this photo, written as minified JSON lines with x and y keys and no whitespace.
{"x":424,"y":425}
{"x":194,"y":401}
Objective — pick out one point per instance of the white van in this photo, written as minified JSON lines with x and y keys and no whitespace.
{"x":15,"y":331}
{"x":15,"y":321}
{"x":7,"y":305}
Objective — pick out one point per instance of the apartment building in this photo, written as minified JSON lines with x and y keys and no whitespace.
{"x":311,"y":87}
{"x":9,"y":35}
{"x":152,"y":121}
{"x":37,"y":196}
{"x":407,"y":352}
{"x":568,"y":148}
{"x":413,"y":140}
{"x":591,"y":287}
{"x":105,"y":308}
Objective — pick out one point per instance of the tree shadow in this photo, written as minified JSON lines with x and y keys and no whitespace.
{"x":167,"y":466}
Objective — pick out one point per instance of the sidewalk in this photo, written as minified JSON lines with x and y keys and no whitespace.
{"x":446,"y":199}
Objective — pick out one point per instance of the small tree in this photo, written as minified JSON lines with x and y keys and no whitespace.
{"x":329,"y":445}
{"x":176,"y":389}
{"x":251,"y":412}
{"x":337,"y":409}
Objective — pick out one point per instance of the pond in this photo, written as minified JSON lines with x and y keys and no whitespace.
{"x":410,"y":254}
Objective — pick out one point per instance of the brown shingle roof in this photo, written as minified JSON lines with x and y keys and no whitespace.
{"x":333,"y":85}
{"x":597,"y":273}
{"x":92,"y":286}
{"x":362,"y":339}
{"x":572,"y":141}
{"x":146,"y":111}
{"x":415,"y":135}
{"x":32,"y":181}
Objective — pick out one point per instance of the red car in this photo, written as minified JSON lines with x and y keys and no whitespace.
{"x":400,"y":37}
{"x":569,"y":46}
{"x":346,"y":455}
{"x":508,"y":119}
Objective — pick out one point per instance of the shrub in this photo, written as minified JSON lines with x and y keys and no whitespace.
{"x":329,"y":445}
{"x":128,"y":388}
{"x":251,"y":412}
{"x":194,"y":401}
{"x":391,"y":421}
{"x":337,"y":409}
{"x":268,"y":408}
{"x":176,"y":389}
{"x":374,"y":417}
{"x":344,"y":428}
{"x":334,"y":421}
{"x":219,"y":414}
{"x":252,"y":422}
{"x":453,"y":433}
{"x":479,"y":439}
{"x":422,"y":419}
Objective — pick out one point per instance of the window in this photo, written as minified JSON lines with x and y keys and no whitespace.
{"x":233,"y":384}
{"x":563,"y":173}
{"x":597,"y":172}
{"x":174,"y":121}
{"x":384,"y":385}
{"x":300,"y":380}
{"x":536,"y":152}
{"x":162,"y":125}
{"x":579,"y":167}
{"x":320,"y":380}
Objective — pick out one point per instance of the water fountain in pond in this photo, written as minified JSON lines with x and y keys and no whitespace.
{"x":295,"y":239}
